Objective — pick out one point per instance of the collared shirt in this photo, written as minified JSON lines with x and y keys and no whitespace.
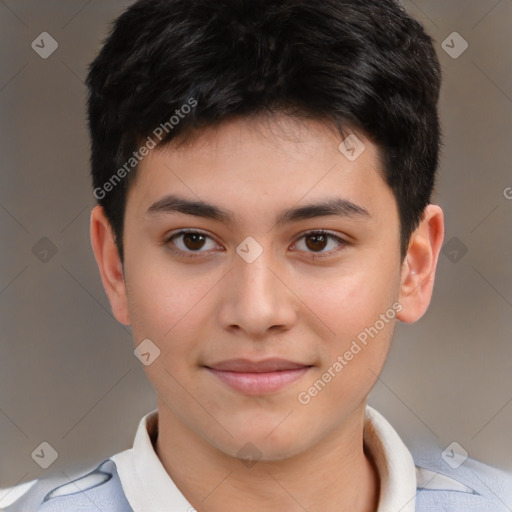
{"x":148,"y":486}
{"x":136,"y":481}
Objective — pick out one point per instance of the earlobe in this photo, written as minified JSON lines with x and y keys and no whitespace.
{"x":109,"y":264}
{"x":418,"y":269}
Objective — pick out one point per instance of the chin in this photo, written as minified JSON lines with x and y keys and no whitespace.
{"x":259,"y":445}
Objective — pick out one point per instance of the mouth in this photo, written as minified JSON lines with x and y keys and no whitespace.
{"x":258,"y":377}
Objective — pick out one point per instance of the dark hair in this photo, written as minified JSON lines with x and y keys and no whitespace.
{"x":363,"y":64}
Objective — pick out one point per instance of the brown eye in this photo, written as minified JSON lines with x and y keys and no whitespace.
{"x":193,"y":241}
{"x":316,"y":241}
{"x":190,"y":243}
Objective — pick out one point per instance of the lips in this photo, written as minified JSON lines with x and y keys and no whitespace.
{"x":258,"y":377}
{"x":267,"y":365}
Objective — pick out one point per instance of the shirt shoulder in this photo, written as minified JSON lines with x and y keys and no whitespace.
{"x":100,"y":489}
{"x":470,"y":486}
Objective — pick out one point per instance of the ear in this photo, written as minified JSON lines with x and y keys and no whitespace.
{"x":419,"y":266}
{"x":109,"y":264}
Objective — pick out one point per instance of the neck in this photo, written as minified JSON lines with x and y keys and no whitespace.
{"x":335,"y":475}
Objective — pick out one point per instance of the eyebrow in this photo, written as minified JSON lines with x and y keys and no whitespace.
{"x":340,"y":207}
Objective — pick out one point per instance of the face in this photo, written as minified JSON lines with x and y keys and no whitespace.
{"x":269,"y":332}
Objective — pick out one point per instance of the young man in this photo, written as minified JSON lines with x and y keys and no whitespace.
{"x":264,"y":171}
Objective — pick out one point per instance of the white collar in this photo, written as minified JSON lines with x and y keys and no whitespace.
{"x":394,"y":462}
{"x":148,"y":486}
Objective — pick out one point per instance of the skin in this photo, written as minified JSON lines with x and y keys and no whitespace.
{"x":285,"y":304}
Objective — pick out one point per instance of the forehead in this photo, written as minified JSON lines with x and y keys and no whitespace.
{"x":259,"y":165}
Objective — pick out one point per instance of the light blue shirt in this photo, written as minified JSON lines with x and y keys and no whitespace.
{"x":136,"y":481}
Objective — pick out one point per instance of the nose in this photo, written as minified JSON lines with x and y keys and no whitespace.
{"x":257,"y":299}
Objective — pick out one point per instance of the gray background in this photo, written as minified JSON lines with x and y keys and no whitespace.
{"x":68,"y":375}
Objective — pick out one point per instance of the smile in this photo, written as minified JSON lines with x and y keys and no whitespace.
{"x":258,"y":378}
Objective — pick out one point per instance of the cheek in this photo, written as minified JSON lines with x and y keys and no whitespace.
{"x":169,"y":307}
{"x":160,"y":294}
{"x":348,"y":302}
{"x":358,"y":314}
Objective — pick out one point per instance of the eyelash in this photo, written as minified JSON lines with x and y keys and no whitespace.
{"x":197,"y":254}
